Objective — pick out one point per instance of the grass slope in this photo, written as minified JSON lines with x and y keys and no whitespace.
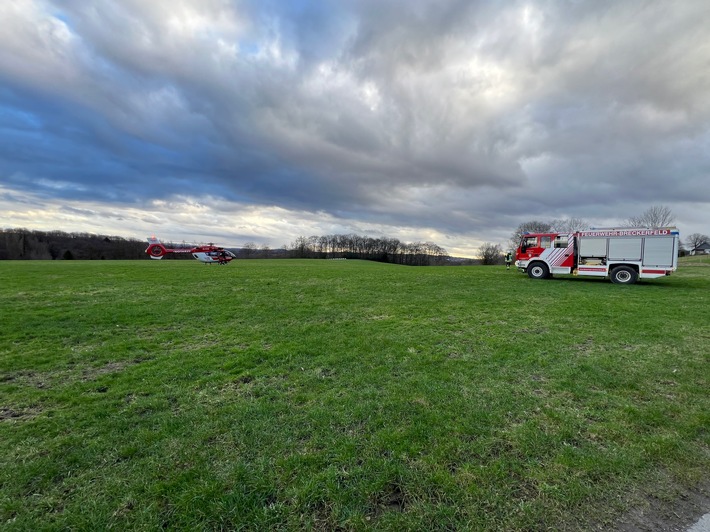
{"x":344,"y":394}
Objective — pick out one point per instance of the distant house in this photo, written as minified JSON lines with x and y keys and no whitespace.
{"x":702,"y":249}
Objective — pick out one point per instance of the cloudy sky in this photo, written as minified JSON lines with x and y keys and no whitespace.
{"x":259,"y":121}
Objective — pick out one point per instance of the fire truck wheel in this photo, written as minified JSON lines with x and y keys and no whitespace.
{"x":538,"y":270}
{"x":623,"y":275}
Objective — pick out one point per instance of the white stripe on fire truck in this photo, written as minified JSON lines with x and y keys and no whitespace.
{"x":556,"y":256}
{"x":560,"y":258}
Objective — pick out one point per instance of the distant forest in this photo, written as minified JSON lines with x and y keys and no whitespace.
{"x":367,"y":248}
{"x":25,"y":244}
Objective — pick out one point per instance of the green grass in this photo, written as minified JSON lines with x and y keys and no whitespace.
{"x":344,"y":394}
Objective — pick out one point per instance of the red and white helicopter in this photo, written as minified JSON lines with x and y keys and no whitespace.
{"x":209,"y":254}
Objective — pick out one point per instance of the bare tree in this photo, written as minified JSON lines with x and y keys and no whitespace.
{"x":569,"y":225}
{"x":437,"y":254}
{"x":299,"y":247}
{"x":653,"y":217}
{"x":490,"y":254}
{"x":248,"y":250}
{"x":696,"y":240}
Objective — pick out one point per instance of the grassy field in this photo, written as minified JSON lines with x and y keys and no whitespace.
{"x":345,"y":394}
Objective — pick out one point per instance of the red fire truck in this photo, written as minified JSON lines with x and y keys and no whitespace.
{"x":624,"y":255}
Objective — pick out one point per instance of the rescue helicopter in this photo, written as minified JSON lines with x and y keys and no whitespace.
{"x":209,"y":254}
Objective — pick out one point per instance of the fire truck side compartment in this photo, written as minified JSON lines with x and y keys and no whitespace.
{"x":658,"y":252}
{"x":592,"y":247}
{"x":625,"y":249}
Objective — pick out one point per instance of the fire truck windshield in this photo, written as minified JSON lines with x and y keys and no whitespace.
{"x":528,"y":242}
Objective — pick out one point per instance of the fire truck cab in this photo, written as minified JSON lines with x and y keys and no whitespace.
{"x":624,"y":255}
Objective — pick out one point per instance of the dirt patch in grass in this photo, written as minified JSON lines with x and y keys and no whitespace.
{"x":674,"y":513}
{"x":395,"y":499}
{"x":93,"y":373}
{"x":9,"y":414}
{"x":34,"y":379}
{"x":391,"y":499}
{"x":64,"y":376}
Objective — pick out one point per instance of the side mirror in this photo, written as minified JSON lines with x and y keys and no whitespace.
{"x":523,"y":249}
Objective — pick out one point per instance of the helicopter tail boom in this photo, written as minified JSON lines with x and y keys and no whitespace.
{"x":156,"y":250}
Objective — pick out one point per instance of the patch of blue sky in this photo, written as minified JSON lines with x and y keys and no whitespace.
{"x":249,"y":48}
{"x":299,"y":6}
{"x":63,"y":17}
{"x":14,"y":119}
{"x":66,"y":21}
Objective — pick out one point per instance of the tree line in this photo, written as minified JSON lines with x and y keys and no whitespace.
{"x":382,"y":249}
{"x":24,"y":244}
